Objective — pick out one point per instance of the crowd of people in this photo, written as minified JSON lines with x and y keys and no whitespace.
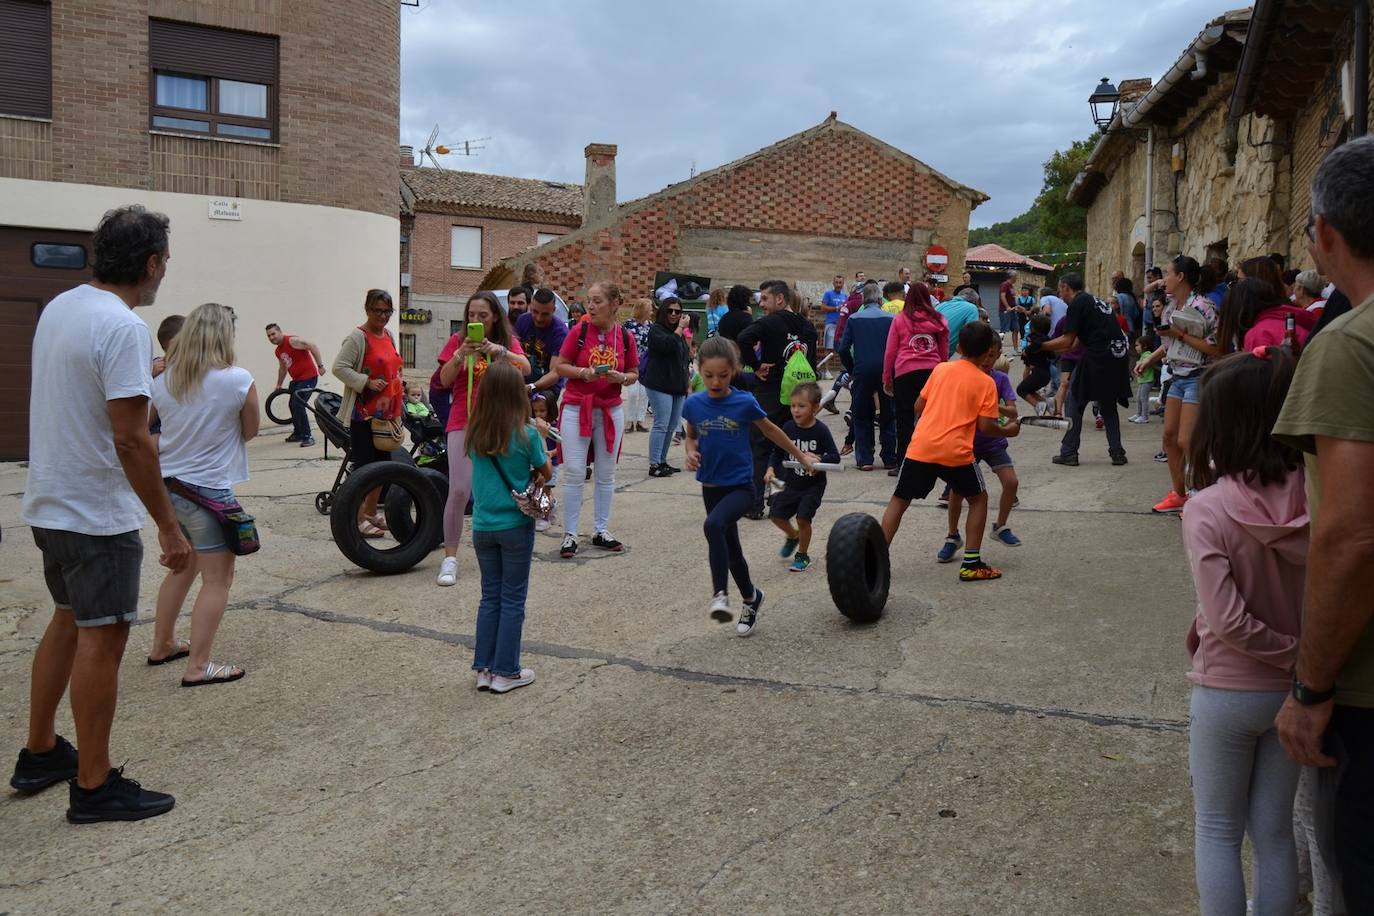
{"x":1263,"y":373}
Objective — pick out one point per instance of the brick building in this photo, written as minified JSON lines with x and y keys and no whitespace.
{"x":1235,"y":146}
{"x":255,"y":126}
{"x":831,"y":199}
{"x":456,"y":226}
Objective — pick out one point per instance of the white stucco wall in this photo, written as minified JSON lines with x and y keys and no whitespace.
{"x":303,"y":266}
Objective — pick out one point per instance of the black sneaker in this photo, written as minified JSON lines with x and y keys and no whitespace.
{"x":1118,"y":459}
{"x":755,"y":515}
{"x":569,"y":548}
{"x":293,"y":438}
{"x":670,"y":469}
{"x":1068,"y":461}
{"x":658,"y":470}
{"x":307,"y":442}
{"x":118,"y":799}
{"x":606,"y":541}
{"x":749,"y":616}
{"x":35,"y":772}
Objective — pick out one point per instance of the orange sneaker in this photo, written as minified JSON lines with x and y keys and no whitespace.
{"x":978,"y":572}
{"x":1171,"y":503}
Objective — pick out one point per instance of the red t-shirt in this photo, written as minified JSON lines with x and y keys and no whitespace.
{"x":380,"y":360}
{"x":458,"y":413}
{"x":1006,"y":297}
{"x":300,"y":364}
{"x":598,"y":349}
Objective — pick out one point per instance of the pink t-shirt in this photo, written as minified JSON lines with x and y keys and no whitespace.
{"x":600,"y":348}
{"x":458,"y":413}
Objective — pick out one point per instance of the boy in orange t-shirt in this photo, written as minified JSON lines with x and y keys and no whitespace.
{"x":959,"y":397}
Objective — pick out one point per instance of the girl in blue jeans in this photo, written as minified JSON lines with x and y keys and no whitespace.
{"x":718,"y":421}
{"x":506,"y":453}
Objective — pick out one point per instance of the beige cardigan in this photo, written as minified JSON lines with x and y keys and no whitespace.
{"x":347,"y":368}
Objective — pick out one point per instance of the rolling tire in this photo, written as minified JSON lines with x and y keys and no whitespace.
{"x":397,"y":555}
{"x":400,"y":508}
{"x":857,"y":567}
{"x":270,"y":406}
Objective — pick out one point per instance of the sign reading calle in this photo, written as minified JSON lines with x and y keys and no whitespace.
{"x":417,"y":316}
{"x":225,"y":208}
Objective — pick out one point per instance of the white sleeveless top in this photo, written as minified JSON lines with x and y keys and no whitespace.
{"x":202,"y":439}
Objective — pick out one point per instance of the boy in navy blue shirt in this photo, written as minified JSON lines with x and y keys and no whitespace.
{"x":717,"y":422}
{"x":802,"y":490}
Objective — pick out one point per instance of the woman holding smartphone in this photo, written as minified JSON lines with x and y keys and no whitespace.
{"x":598,"y":357}
{"x":1188,"y":328}
{"x":485,"y":339}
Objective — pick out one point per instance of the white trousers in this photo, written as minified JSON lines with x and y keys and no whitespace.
{"x":575,"y":448}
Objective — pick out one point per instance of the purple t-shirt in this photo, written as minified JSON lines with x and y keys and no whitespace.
{"x":1005,"y":392}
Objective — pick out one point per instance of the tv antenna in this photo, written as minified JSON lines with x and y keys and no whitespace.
{"x":462,"y":148}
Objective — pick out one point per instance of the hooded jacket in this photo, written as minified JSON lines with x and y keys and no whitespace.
{"x":1270,"y":325}
{"x":1247,"y":546}
{"x":915,"y":343}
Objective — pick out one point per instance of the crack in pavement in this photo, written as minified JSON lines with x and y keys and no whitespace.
{"x":554,"y":650}
{"x":816,"y":818}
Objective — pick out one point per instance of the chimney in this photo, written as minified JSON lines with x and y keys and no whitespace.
{"x":598,"y":191}
{"x":407,"y":156}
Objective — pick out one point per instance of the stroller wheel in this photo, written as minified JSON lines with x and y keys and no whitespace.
{"x":324,"y":502}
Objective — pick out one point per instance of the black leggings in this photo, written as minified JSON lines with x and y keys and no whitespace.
{"x":906,"y":388}
{"x":725,"y":506}
{"x":1039,"y":377}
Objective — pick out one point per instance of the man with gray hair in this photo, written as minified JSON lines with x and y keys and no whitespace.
{"x":862,"y":349}
{"x":1307,"y":291}
{"x":1329,"y":414}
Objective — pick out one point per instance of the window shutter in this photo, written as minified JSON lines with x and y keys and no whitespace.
{"x":466,"y":250}
{"x":181,"y":47}
{"x":25,"y":58}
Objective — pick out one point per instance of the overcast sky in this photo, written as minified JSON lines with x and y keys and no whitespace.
{"x":983,"y":90}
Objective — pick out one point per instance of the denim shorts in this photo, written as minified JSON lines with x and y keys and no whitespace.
{"x":1185,"y":388}
{"x":202,"y":529}
{"x":93,"y":576}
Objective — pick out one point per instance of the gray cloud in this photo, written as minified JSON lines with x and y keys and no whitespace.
{"x":983,"y":90}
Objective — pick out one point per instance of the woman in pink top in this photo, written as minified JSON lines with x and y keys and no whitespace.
{"x":498,"y":344}
{"x":598,"y":357}
{"x":1246,"y":532}
{"x":917,"y":342}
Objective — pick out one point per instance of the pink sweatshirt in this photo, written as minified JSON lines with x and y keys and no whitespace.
{"x":1247,"y":546}
{"x":912,"y":344}
{"x":1270,"y":325}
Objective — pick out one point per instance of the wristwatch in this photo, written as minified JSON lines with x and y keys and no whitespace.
{"x":1306,"y":696}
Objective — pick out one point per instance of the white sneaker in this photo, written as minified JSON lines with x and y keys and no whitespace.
{"x":448,"y":571}
{"x":541,"y":524}
{"x":500,"y":684}
{"x":720,"y":607}
{"x":484,"y":679}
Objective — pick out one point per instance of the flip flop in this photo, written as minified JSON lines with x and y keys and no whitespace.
{"x":216,"y":674}
{"x":369,"y":530}
{"x":183,"y":650}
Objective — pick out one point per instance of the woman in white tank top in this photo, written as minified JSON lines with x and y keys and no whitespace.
{"x":209,"y":411}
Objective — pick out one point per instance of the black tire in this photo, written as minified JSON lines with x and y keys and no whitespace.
{"x":387,"y":555}
{"x":857,"y":567}
{"x":272,"y":400}
{"x":400,"y":508}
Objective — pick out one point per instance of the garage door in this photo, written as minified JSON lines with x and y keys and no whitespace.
{"x":35,"y":265}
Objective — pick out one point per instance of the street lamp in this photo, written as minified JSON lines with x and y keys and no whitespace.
{"x":1104,"y":102}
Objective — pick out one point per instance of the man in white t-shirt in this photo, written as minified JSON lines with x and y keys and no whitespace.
{"x":93,"y":468}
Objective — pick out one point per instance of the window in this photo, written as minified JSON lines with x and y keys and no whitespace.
{"x":544,"y":238}
{"x":212,"y":82}
{"x":61,"y":257}
{"x":25,"y":58}
{"x":408,"y":350}
{"x":466,"y":251}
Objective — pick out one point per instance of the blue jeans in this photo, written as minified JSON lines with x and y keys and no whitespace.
{"x":503,"y":557}
{"x":725,"y":506}
{"x":300,"y":414}
{"x":667,"y":418}
{"x":862,"y":388}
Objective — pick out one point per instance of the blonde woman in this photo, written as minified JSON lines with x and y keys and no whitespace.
{"x":209,"y":411}
{"x":636,"y":398}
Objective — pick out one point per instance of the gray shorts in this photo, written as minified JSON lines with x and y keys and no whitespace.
{"x":202,"y":529}
{"x":93,"y":576}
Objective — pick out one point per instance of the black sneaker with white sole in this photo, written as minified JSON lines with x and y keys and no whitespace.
{"x":35,"y":772}
{"x":749,"y":616}
{"x":606,"y":541}
{"x":569,"y":548}
{"x":117,"y":799}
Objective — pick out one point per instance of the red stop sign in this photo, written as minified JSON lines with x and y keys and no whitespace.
{"x":937,"y":259}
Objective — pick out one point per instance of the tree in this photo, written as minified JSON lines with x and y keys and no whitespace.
{"x":1052,"y":224}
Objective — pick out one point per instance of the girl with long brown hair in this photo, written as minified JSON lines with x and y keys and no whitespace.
{"x":463,"y":366}
{"x":917,"y":342}
{"x":506,"y":454}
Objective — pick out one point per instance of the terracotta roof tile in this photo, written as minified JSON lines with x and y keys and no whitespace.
{"x":1003,"y":257}
{"x":501,"y":192}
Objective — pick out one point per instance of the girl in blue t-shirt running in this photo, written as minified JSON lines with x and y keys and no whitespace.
{"x":717,"y":422}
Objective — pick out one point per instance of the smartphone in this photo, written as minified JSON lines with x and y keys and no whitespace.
{"x":602,"y":369}
{"x":476,"y":333}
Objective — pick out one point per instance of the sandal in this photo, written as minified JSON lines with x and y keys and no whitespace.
{"x":369,"y":530}
{"x":216,"y":674}
{"x":378,"y":521}
{"x":183,"y":649}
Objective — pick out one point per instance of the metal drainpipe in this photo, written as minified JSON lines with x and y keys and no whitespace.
{"x":1149,"y":197}
{"x":1361,"y":87}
